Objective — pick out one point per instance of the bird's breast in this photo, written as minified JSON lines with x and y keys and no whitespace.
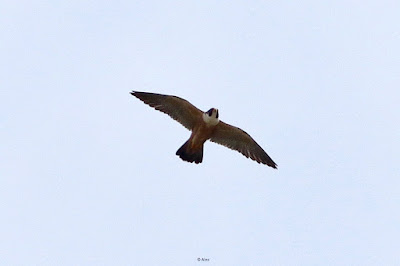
{"x":201,"y":133}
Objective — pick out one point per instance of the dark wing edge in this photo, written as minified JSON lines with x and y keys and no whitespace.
{"x":237,"y":139}
{"x":177,"y":108}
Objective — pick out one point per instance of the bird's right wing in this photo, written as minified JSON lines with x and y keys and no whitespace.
{"x":237,"y":139}
{"x":179,"y":109}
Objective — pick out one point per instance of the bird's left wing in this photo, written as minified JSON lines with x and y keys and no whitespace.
{"x":179,"y":109}
{"x":237,"y":139}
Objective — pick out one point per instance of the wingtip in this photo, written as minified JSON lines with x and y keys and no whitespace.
{"x":274,"y":165}
{"x":138,"y":93}
{"x":135,"y":93}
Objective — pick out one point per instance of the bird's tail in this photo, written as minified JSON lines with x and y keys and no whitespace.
{"x":190,"y":154}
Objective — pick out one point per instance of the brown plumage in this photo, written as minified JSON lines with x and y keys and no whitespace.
{"x":204,"y":126}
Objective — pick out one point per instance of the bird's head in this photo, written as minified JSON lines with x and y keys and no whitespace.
{"x":211,"y":117}
{"x":213,"y":112}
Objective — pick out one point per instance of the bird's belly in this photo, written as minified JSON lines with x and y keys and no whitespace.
{"x":201,"y":134}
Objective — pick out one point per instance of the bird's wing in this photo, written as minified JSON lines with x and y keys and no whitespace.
{"x":237,"y":139}
{"x":179,"y":109}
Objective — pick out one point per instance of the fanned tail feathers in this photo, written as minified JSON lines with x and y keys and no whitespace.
{"x":188,"y":154}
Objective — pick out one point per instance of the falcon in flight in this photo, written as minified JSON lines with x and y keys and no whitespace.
{"x":204,"y":126}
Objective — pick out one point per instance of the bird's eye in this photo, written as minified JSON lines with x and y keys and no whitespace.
{"x":209,"y":112}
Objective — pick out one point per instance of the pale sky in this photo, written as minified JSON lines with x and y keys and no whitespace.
{"x":89,"y":174}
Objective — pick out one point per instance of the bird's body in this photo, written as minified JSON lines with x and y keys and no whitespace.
{"x":204,"y":126}
{"x":192,"y":150}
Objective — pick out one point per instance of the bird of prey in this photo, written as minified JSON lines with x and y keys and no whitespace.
{"x":204,"y":126}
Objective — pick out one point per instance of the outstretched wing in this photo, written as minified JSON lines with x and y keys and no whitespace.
{"x":237,"y":139}
{"x":179,"y":109}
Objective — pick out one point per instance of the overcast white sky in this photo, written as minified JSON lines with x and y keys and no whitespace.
{"x":89,"y":174}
